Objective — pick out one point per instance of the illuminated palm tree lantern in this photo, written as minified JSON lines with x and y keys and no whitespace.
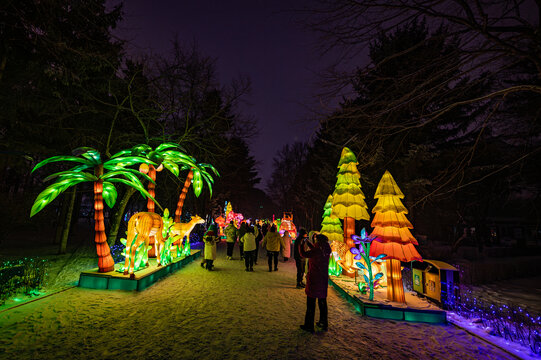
{"x":166,"y":155}
{"x":91,"y":168}
{"x":196,"y":175}
{"x":348,"y":203}
{"x":392,"y":235}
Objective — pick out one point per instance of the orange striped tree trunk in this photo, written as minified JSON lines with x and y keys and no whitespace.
{"x":349,"y":229}
{"x":395,"y":287}
{"x":151,"y":207}
{"x":151,"y":186}
{"x":105,"y":260}
{"x":182,"y":196}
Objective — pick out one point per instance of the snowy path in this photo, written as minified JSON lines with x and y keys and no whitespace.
{"x":225,"y":314}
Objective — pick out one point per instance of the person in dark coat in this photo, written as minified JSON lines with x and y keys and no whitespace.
{"x":317,"y":281}
{"x":258,"y":239}
{"x":300,"y":262}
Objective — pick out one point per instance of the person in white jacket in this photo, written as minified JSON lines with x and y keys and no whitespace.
{"x":249,"y":246}
{"x":210,"y":240}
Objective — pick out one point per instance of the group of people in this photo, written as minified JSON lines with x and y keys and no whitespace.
{"x":313,"y":248}
{"x":251,"y":237}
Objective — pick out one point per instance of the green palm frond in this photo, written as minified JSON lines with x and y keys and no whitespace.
{"x":62,"y":158}
{"x":122,"y":153}
{"x":164,"y":146}
{"x":130,"y":174}
{"x":209,"y":166}
{"x":172,"y":167}
{"x":197,"y":182}
{"x":126,"y":161}
{"x":137,"y":186}
{"x":93,"y":156}
{"x":109,"y":194}
{"x":51,"y":193}
{"x":72,"y":174}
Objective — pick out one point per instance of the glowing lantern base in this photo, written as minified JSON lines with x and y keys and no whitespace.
{"x":115,"y":280}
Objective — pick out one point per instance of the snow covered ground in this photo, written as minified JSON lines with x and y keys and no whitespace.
{"x":224,"y":314}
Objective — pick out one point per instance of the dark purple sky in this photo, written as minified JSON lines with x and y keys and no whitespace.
{"x":260,"y":39}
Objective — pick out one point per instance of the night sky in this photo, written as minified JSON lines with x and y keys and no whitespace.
{"x":260,"y":39}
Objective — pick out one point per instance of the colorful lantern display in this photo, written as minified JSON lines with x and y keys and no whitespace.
{"x":141,"y":227}
{"x":103,"y":174}
{"x":331,"y":226}
{"x":392,"y":235}
{"x":180,"y":230}
{"x":220,"y":221}
{"x":287,"y":224}
{"x":231,"y":216}
{"x":168,"y":155}
{"x":372,"y":278}
{"x":348,"y":202}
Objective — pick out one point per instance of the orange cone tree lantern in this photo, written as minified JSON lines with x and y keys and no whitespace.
{"x":392,"y":235}
{"x":348,"y":202}
{"x":91,"y":168}
{"x":331,"y":225}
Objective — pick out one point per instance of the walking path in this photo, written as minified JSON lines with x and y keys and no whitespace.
{"x":224,"y":314}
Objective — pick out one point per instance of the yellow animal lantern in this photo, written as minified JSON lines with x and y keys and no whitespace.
{"x":141,"y":227}
{"x":179,"y":230}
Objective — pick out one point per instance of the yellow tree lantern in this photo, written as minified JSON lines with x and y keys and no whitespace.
{"x":392,"y":235}
{"x":348,"y":202}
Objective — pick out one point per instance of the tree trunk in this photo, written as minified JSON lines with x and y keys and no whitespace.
{"x":182,"y":196}
{"x":67,"y":222}
{"x":151,"y":186}
{"x":151,"y":207}
{"x":105,"y":260}
{"x":349,"y":229}
{"x":117,"y":216}
{"x":395,"y":287}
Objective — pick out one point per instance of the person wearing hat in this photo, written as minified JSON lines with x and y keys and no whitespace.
{"x":210,"y":240}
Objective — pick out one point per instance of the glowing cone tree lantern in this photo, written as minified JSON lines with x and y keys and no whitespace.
{"x":348,"y":202}
{"x":103,"y":175}
{"x":392,"y":235}
{"x":331,"y":226}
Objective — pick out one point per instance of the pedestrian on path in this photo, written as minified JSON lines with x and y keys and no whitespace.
{"x":286,"y":251}
{"x":210,"y":240}
{"x":230,"y":232}
{"x":300,"y":262}
{"x":242,"y":231}
{"x":272,"y":242}
{"x":258,"y":239}
{"x":249,"y":245}
{"x":317,"y":281}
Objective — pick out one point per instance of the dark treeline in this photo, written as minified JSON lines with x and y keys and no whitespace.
{"x":66,"y":82}
{"x":451,"y":111}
